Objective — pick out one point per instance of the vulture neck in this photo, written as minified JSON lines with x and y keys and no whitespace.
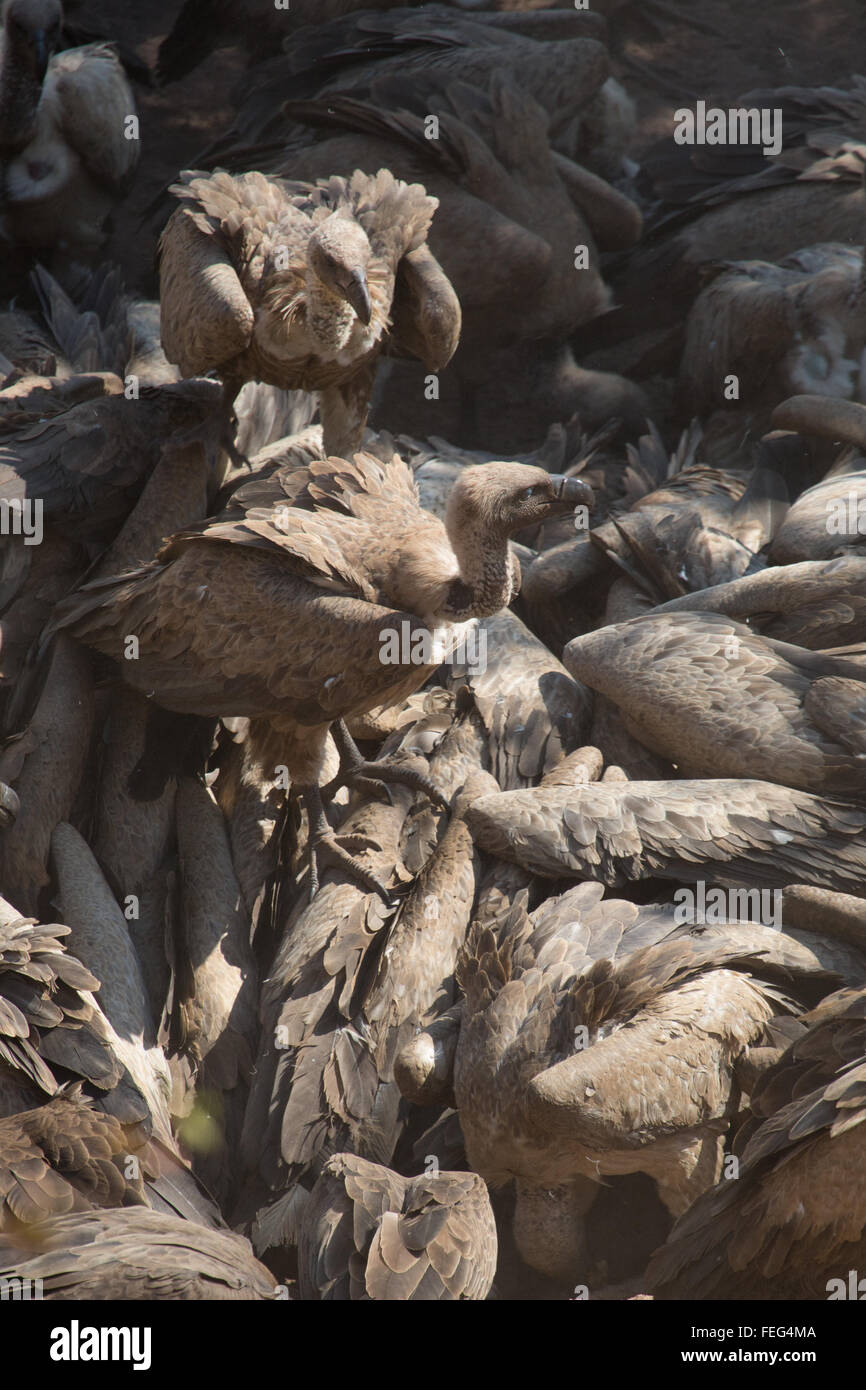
{"x":485,"y":582}
{"x":20,"y":94}
{"x":329,"y":318}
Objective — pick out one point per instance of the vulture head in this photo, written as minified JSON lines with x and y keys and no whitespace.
{"x":338,"y":254}
{"x":32,"y":29}
{"x":500,"y":499}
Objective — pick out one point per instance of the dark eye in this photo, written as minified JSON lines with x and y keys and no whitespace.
{"x":538,"y":490}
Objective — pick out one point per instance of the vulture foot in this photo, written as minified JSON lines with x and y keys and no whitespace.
{"x":328,"y":848}
{"x":373,"y":776}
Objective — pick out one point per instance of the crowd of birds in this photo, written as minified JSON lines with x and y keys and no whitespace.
{"x":331,"y":976}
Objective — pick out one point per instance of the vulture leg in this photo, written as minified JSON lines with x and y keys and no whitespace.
{"x":374,"y":776}
{"x":231,"y":388}
{"x":326,"y":848}
{"x":344,"y":410}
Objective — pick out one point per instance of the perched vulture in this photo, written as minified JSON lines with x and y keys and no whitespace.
{"x":367,"y":1233}
{"x":68,"y":132}
{"x":793,"y":1225}
{"x":303,"y":285}
{"x":288,"y":611}
{"x":133,"y":1254}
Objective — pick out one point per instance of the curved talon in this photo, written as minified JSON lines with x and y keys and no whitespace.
{"x":373,"y":786}
{"x":328,"y":848}
{"x":385,"y":771}
{"x":357,"y":771}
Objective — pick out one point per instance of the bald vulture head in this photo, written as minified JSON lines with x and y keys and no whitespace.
{"x":32,"y":32}
{"x":338,"y":254}
{"x":500,"y":499}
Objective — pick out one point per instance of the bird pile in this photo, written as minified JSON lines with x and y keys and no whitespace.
{"x":430,"y":870}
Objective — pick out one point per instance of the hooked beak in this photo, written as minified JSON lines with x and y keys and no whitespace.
{"x":571,"y":492}
{"x":9,"y":806}
{"x":356,"y":293}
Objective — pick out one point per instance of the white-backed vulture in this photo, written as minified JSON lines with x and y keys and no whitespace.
{"x":72,"y":1155}
{"x":303,"y":285}
{"x":350,"y":984}
{"x":780,"y":329}
{"x":100,"y":938}
{"x":564,"y":74}
{"x":793,"y":1225}
{"x":717,"y":700}
{"x":570,"y":1065}
{"x":732,"y":832}
{"x":333,"y":560}
{"x":132,"y":1253}
{"x":368,"y":1233}
{"x":66,"y":1157}
{"x":67,"y":145}
{"x":714,"y":206}
{"x":532,"y":710}
{"x":51,"y":1029}
{"x":817,"y":604}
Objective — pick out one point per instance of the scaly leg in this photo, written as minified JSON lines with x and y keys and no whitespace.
{"x":373,"y":776}
{"x":326,"y":848}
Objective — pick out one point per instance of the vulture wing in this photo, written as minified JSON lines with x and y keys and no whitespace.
{"x":89,"y":90}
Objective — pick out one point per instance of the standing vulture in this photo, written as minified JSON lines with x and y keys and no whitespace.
{"x":67,"y":147}
{"x":302,"y":286}
{"x":286,"y":611}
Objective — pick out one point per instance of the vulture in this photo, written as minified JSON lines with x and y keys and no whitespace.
{"x":793,"y":1225}
{"x":718,"y":700}
{"x":795,"y":326}
{"x":68,"y":132}
{"x":352,"y":981}
{"x":598,"y":1039}
{"x":288,"y":610}
{"x":816,"y":604}
{"x":66,"y":1157}
{"x":531,"y":709}
{"x":368,"y":1233}
{"x":52,"y":1031}
{"x":713,"y":207}
{"x":827,"y":519}
{"x":350,"y":54}
{"x":133,"y":1254}
{"x":303,"y":285}
{"x":734,"y":832}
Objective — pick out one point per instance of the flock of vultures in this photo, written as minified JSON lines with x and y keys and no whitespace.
{"x":432,"y":671}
